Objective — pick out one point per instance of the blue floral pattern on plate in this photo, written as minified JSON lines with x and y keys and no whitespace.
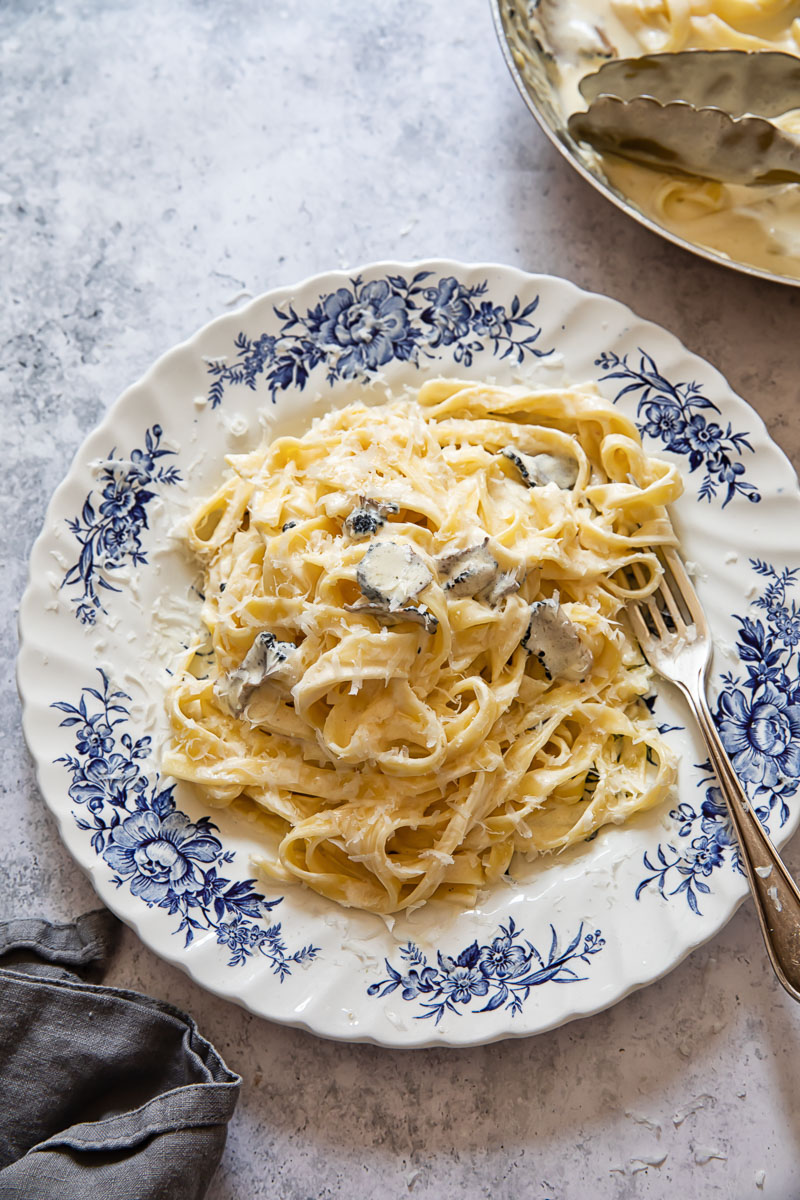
{"x":110,"y":535}
{"x":759,"y":722}
{"x":163,"y":857}
{"x":168,"y":861}
{"x":396,"y":323}
{"x":505,"y":970}
{"x":356,"y":330}
{"x":674,"y":414}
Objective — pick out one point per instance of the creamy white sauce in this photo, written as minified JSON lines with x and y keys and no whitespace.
{"x":759,"y":226}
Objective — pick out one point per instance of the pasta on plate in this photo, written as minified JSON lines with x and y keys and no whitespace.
{"x":414,"y":665}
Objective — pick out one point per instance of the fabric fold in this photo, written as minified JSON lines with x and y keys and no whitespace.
{"x":107,"y":1092}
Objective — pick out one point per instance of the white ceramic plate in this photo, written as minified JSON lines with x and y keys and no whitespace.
{"x":110,"y":602}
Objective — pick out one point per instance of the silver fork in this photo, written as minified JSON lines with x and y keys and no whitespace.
{"x":672,"y":631}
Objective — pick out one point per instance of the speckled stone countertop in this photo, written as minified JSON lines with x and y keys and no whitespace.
{"x":164,"y":162}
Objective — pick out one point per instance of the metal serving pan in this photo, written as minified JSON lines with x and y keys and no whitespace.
{"x":531,"y":68}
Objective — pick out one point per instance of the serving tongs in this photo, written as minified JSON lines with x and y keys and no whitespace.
{"x":701,"y":112}
{"x":672,"y":632}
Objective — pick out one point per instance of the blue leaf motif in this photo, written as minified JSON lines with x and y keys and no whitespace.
{"x":674,"y":415}
{"x":497,"y":1000}
{"x":109,"y":535}
{"x":504,"y":971}
{"x":469,"y":957}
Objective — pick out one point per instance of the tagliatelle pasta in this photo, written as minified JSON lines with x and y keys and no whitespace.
{"x":414,"y":665}
{"x":757,"y":225}
{"x":673,"y":25}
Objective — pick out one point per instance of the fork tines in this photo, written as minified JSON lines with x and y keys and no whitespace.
{"x":673,"y":612}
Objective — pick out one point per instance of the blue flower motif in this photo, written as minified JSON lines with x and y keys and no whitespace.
{"x":788,"y":624}
{"x":234,"y":934}
{"x":703,"y":437}
{"x":762,"y":736}
{"x":715,"y":819}
{"x":449,"y":311}
{"x":95,"y":739}
{"x":159,"y":855}
{"x":790,"y":632}
{"x":165,"y":859}
{"x":143,"y":463}
{"x":503,"y":959}
{"x":673,"y":414}
{"x":117,"y":540}
{"x":414,"y":982}
{"x":489,"y":320}
{"x":727,"y":471}
{"x":104,"y":781}
{"x":462,"y":983}
{"x":664,"y":422}
{"x":265,"y":345}
{"x":110,"y":535}
{"x":367,"y":329}
{"x":357,"y":330}
{"x":505,"y":970}
{"x":760,"y":731}
{"x":119,"y":499}
{"x":704,"y":855}
{"x":761,"y":673}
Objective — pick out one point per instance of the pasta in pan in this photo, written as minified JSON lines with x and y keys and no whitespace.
{"x":415,"y":666}
{"x":755,"y":224}
{"x":673,"y":25}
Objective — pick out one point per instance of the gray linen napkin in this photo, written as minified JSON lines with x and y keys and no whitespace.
{"x":103,"y":1092}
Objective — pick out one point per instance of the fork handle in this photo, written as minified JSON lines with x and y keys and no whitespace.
{"x":776,"y":895}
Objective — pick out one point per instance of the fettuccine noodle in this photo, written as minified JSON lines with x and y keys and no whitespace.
{"x":415,"y":666}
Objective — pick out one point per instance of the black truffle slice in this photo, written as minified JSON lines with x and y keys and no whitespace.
{"x":540,"y":469}
{"x":368,"y":517}
{"x":264,"y":661}
{"x":391,"y":574}
{"x":556,"y":642}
